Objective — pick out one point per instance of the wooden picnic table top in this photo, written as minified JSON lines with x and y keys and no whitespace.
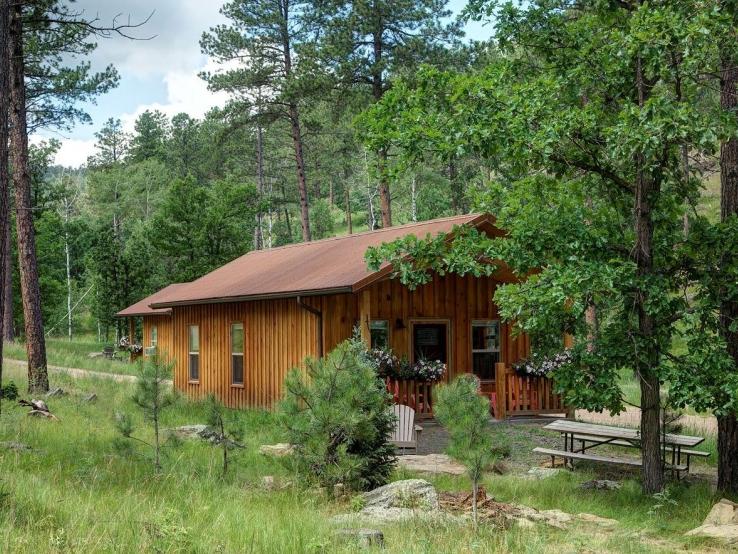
{"x":611,"y":432}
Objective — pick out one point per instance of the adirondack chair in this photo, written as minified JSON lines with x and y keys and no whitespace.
{"x":406,"y":433}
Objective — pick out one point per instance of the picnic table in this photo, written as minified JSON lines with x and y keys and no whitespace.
{"x":580,"y":437}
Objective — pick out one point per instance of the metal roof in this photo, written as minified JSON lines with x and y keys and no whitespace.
{"x":320,"y":267}
{"x":143,"y":306}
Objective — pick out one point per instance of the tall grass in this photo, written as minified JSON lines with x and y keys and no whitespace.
{"x":75,"y":492}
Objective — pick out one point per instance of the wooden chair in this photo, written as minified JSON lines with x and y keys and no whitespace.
{"x":406,"y":433}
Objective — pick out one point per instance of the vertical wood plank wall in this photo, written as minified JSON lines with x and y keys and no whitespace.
{"x":459,"y":300}
{"x":164,"y":334}
{"x":279,"y":334}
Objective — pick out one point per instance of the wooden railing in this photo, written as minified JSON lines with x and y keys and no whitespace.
{"x":520,"y":395}
{"x":416,"y":394}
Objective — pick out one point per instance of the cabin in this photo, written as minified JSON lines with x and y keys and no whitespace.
{"x":238,"y":330}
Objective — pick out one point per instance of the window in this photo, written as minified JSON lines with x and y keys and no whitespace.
{"x":379,"y":333}
{"x":485,"y":348}
{"x":194,"y":350}
{"x":430,"y":342}
{"x":154,"y":336}
{"x":237,"y":353}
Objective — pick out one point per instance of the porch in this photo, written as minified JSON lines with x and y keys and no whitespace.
{"x":510,"y":394}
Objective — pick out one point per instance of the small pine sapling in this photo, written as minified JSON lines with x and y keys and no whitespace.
{"x":464,"y":413}
{"x":227,"y":428}
{"x":152,"y":396}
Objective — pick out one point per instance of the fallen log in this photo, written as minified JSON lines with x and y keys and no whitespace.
{"x":38,"y":408}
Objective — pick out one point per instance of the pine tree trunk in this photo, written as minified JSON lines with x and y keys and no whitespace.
{"x":301,"y":180}
{"x":258,"y":230}
{"x":648,"y":359}
{"x":7,"y":281}
{"x":4,"y":174}
{"x":727,"y":426}
{"x":38,"y":379}
{"x":385,"y":201}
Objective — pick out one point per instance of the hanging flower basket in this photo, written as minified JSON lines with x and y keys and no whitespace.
{"x":542,"y":366}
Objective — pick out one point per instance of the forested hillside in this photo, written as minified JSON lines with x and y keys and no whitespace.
{"x":283,"y":161}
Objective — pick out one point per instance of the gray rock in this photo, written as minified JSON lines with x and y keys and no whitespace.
{"x":601,"y":484}
{"x":545,"y":472}
{"x":721,"y":523}
{"x":202,"y":432}
{"x":410,"y":493}
{"x":11,"y":445}
{"x":501,"y":467}
{"x":89,"y":398}
{"x":58,"y":391}
{"x":364,"y":537}
{"x":267,"y":482}
{"x":597,"y":520}
{"x":382,"y":516}
{"x":277,"y":450}
{"x":431,"y":463}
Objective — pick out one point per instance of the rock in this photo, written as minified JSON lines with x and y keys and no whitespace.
{"x":364,"y":537}
{"x":89,"y":398}
{"x":720,"y":523}
{"x":601,"y":484}
{"x":411,"y":493}
{"x":278,"y":450}
{"x":202,"y":432}
{"x":722,"y":513}
{"x":524,"y":523}
{"x":95,"y":355}
{"x":431,"y":463}
{"x":11,"y":445}
{"x":339,"y":489}
{"x":267,"y":482}
{"x":501,"y":467}
{"x":556,"y":518}
{"x":545,"y":472}
{"x":382,"y":516}
{"x":727,"y":533}
{"x":58,"y":391}
{"x":597,"y":520}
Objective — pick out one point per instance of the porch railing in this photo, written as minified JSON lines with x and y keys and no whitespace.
{"x":416,"y":394}
{"x":521,"y":395}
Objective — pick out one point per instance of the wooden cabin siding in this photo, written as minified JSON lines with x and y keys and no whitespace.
{"x":164,"y":333}
{"x":452,"y":298}
{"x":279,"y":333}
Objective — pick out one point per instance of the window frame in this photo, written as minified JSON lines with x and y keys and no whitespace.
{"x":450,"y":352}
{"x":191,"y":352}
{"x":389,"y":336}
{"x":154,"y":336}
{"x":498,"y":351}
{"x":242,"y":353}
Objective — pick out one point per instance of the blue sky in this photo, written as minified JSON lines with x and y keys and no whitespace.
{"x":161,"y":73}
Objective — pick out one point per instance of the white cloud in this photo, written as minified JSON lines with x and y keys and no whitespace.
{"x":73,"y":152}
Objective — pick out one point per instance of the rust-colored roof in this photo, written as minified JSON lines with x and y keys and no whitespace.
{"x":143,"y":306}
{"x":330,"y":265}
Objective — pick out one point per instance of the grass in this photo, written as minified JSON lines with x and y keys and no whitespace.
{"x":63,"y":353}
{"x":75,"y":492}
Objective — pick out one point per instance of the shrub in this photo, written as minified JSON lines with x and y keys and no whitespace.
{"x":227,"y":427}
{"x":337,"y":414}
{"x":464,"y":413}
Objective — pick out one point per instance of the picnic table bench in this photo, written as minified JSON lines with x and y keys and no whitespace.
{"x":590,"y":435}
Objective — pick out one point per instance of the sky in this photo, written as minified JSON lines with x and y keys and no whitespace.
{"x":160,"y":73}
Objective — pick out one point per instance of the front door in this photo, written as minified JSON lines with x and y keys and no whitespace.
{"x":430,"y":341}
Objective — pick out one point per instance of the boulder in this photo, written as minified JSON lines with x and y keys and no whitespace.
{"x":601,"y":484}
{"x":721,"y":523}
{"x":545,"y":472}
{"x":57,"y":391}
{"x":364,"y":537}
{"x":267,"y":482}
{"x":278,"y":450}
{"x":89,"y":398}
{"x":597,"y":520}
{"x":431,"y":463}
{"x":501,"y":467}
{"x":203,"y":432}
{"x":383,"y":516}
{"x":413,"y":494}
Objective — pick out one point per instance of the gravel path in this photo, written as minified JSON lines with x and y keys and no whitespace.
{"x":631,"y":417}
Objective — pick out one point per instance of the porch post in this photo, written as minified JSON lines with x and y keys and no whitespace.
{"x":365,"y":316}
{"x":132,"y":330}
{"x":500,"y":391}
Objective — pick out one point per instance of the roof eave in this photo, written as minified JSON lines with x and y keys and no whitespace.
{"x":252,"y":297}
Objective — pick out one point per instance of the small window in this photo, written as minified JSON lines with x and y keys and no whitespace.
{"x":194,"y":353}
{"x":237,"y":353}
{"x":379,"y":332}
{"x":485,"y":348}
{"x":154,"y":336}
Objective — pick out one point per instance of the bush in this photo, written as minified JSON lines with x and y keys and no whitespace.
{"x":338,"y":417}
{"x":9,"y":391}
